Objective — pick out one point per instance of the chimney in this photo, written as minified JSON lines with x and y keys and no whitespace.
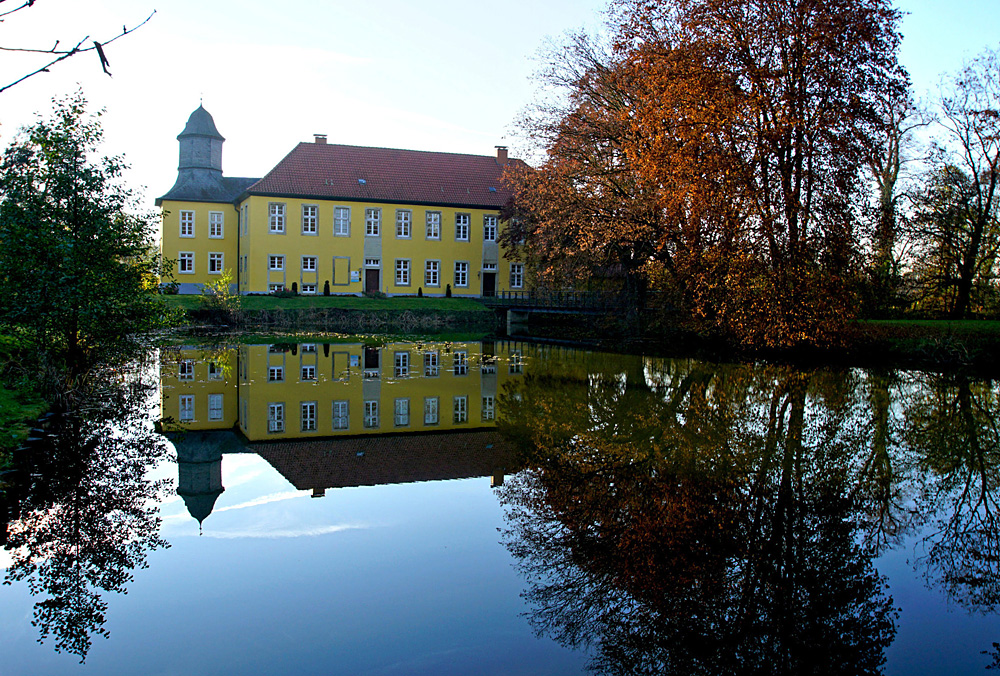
{"x":501,"y":154}
{"x":320,"y":138}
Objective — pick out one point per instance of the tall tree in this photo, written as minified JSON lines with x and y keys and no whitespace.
{"x":78,"y":263}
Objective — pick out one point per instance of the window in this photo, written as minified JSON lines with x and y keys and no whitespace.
{"x":215,"y":407}
{"x":433,"y":225}
{"x":401,"y":412}
{"x":275,"y":417}
{"x":430,"y":410}
{"x":373,"y":220}
{"x":309,"y":263}
{"x":489,"y":267}
{"x":310,"y":218}
{"x":402,"y":272}
{"x":516,"y":365}
{"x":308,"y":348}
{"x":461,"y":227}
{"x":215,"y":222}
{"x":187,"y":224}
{"x":489,"y":228}
{"x":372,"y":262}
{"x":214,"y":371}
{"x":432,"y":276}
{"x":371,"y":414}
{"x":244,"y":220}
{"x":404,"y":221}
{"x":308,"y":372}
{"x":187,"y":407}
{"x":215,"y":263}
{"x":275,"y":374}
{"x":460,"y":410}
{"x":274,"y":288}
{"x":276,"y":263}
{"x":516,"y":275}
{"x":185,"y":370}
{"x":461,"y":363}
{"x":402,"y":366}
{"x":276,"y":212}
{"x":431,"y":364}
{"x":307,"y":416}
{"x":461,"y":273}
{"x":185,"y":262}
{"x":341,"y":418}
{"x":489,"y":407}
{"x":342,"y":221}
{"x":308,"y":289}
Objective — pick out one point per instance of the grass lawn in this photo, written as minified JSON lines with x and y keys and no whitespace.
{"x":193,"y":302}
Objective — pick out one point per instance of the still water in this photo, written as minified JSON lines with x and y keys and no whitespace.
{"x":366,"y":506}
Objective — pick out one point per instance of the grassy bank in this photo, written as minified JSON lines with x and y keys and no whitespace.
{"x":252,"y":303}
{"x":19,"y":407}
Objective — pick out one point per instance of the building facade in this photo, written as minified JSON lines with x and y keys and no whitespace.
{"x":335,"y":219}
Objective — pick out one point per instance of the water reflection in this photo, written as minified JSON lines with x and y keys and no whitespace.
{"x":81,"y":512}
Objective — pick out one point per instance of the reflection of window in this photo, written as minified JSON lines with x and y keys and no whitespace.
{"x":515,"y":366}
{"x":371,"y":414}
{"x":488,"y":409}
{"x":185,"y":370}
{"x":430,"y":410}
{"x":402,"y":366}
{"x":460,"y":409}
{"x":308,"y":416}
{"x":214,"y":371}
{"x":275,"y":417}
{"x":215,"y":407}
{"x":308,"y":347}
{"x":402,"y":412}
{"x":187,"y":407}
{"x":309,"y":372}
{"x":275,"y":373}
{"x":340,"y":415}
{"x":461,"y":360}
{"x":431,"y":364}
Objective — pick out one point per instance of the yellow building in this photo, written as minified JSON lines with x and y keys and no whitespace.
{"x":338,"y":219}
{"x":313,"y":390}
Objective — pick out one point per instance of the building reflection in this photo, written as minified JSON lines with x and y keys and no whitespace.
{"x":333,"y":415}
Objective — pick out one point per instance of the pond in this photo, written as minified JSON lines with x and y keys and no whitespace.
{"x":366,"y":505}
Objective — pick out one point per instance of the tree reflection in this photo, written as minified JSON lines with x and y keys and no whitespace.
{"x":83,"y":510}
{"x":694,"y":518}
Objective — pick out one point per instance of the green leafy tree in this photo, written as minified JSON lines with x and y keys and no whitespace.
{"x":78,"y":264}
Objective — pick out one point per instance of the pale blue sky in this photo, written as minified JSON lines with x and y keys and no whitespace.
{"x":435,"y":75}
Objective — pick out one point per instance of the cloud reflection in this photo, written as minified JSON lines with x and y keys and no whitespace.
{"x":281,"y":534}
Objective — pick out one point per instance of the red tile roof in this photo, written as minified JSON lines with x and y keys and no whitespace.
{"x":358,"y":173}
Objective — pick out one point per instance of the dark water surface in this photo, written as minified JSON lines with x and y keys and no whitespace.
{"x":374,"y":507}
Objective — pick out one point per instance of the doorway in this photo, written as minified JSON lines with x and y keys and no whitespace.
{"x":371,"y":280}
{"x":489,"y":284}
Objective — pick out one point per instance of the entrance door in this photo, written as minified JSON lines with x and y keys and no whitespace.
{"x":371,"y":280}
{"x":489,"y":284}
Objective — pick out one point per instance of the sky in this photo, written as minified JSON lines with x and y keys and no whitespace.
{"x":444,"y":75}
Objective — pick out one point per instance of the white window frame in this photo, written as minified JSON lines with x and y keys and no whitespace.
{"x":187,"y":223}
{"x":310,"y":263}
{"x":461,"y":274}
{"x":308,"y":290}
{"x":244,"y":219}
{"x":489,"y":408}
{"x":275,"y":374}
{"x":432,"y":220}
{"x":460,"y":362}
{"x":185,"y":370}
{"x":275,"y":263}
{"x":517,"y":275}
{"x":188,"y":258}
{"x":432,"y":410}
{"x":273,"y":288}
{"x":342,"y":221}
{"x":490,"y":228}
{"x":432,"y":364}
{"x":371,"y":414}
{"x":216,"y":256}
{"x":401,"y":412}
{"x":308,"y":373}
{"x":310,"y":220}
{"x":432,"y":273}
{"x":341,"y":415}
{"x":185,"y":410}
{"x":275,"y":417}
{"x":373,"y":222}
{"x":402,"y":272}
{"x":460,"y":409}
{"x":215,"y":406}
{"x":276,"y":218}
{"x":401,"y":365}
{"x":404,"y":224}
{"x":307,"y":416}
{"x":462,"y":221}
{"x":214,"y":371}
{"x":216,"y":225}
